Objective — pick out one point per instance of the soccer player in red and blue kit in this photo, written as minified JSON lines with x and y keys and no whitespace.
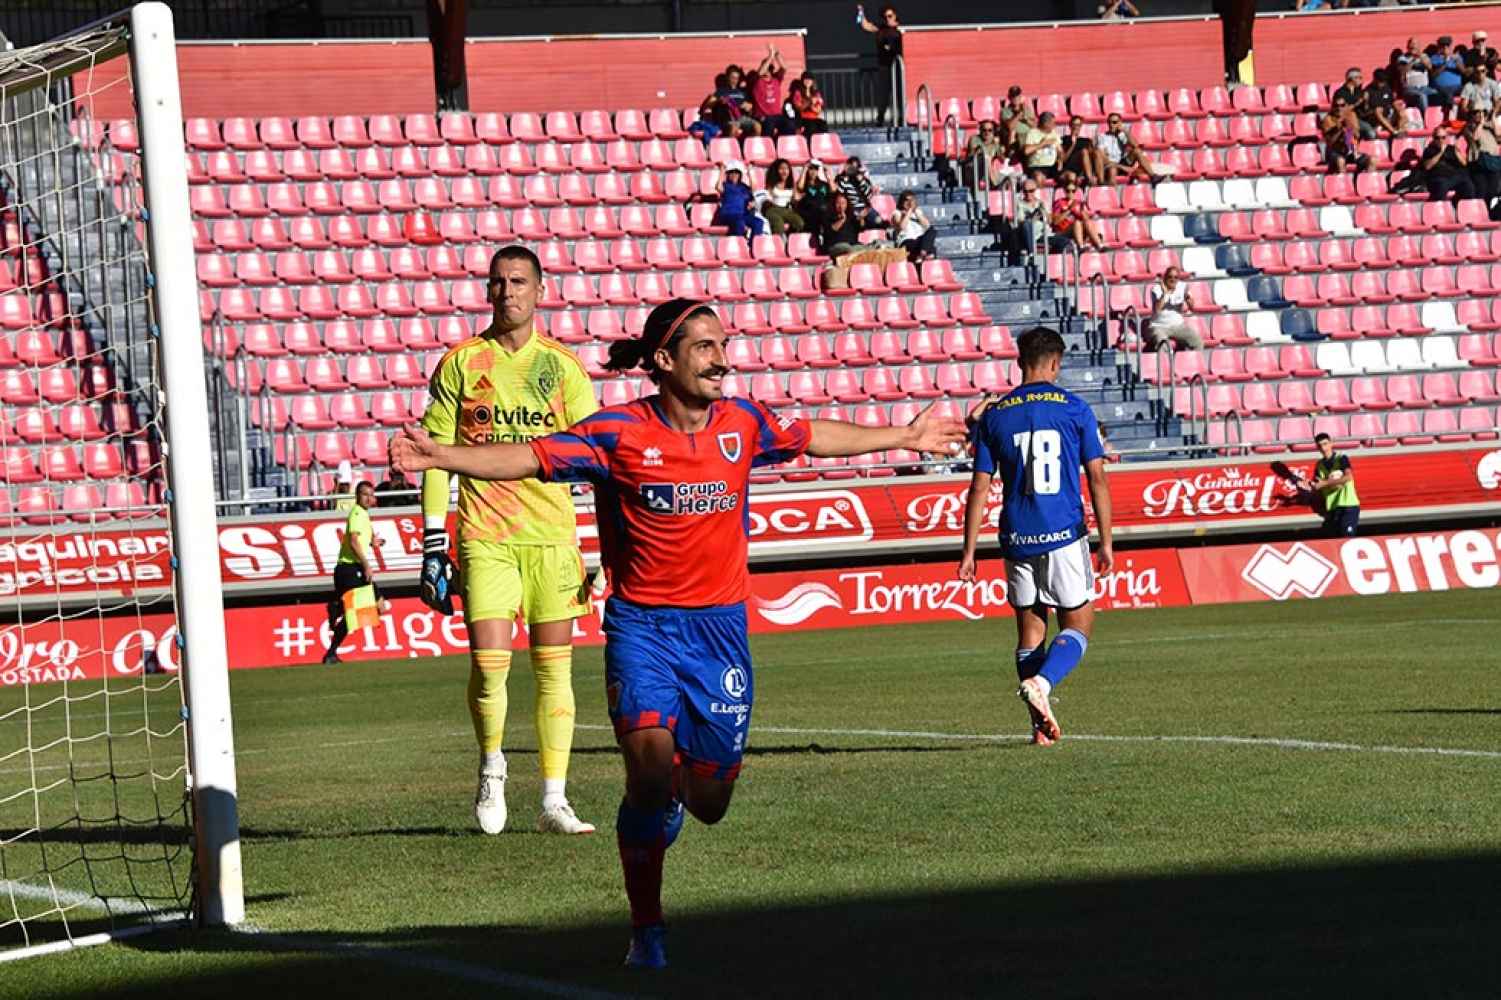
{"x":671,"y":474}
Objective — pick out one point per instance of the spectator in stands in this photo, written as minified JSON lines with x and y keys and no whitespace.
{"x":395,"y":490}
{"x":840,"y":232}
{"x":1339,"y":129}
{"x":1446,"y":69}
{"x":1017,"y":118}
{"x":855,"y":184}
{"x":732,"y":94}
{"x":817,"y":191}
{"x":1479,"y":92}
{"x":736,"y":209}
{"x":1072,"y":217}
{"x":984,"y":152}
{"x":713,"y":121}
{"x":782,"y":189}
{"x":341,"y":495}
{"x":1478,"y":53}
{"x":806,"y":103}
{"x":1443,"y":171}
{"x":1118,"y":10}
{"x":1483,"y":148}
{"x":911,"y":230}
{"x":1353,"y":94}
{"x":1417,"y":77}
{"x":1040,"y":147}
{"x":888,"y":50}
{"x":1122,"y":156}
{"x":766,"y":95}
{"x":1170,"y":301}
{"x":1079,"y":155}
{"x":1033,"y":217}
{"x":1383,"y":108}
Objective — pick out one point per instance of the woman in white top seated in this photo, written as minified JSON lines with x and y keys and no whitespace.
{"x":782,"y":189}
{"x":1170,"y":300}
{"x":911,"y":230}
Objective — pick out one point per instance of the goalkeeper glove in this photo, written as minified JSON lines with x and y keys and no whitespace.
{"x":437,"y":571}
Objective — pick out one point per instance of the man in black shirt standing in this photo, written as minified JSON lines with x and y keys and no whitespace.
{"x":888,"y":50}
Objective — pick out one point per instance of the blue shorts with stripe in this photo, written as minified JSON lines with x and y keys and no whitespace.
{"x":687,"y":670}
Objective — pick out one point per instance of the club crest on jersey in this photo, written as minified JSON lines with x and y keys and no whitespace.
{"x":729,"y":445}
{"x":547,"y":381}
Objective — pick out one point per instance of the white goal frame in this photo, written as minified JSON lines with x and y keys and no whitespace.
{"x":149,"y":39}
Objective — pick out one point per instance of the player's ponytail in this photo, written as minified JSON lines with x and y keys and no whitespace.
{"x":662,"y":328}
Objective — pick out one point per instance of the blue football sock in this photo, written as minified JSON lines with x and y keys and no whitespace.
{"x":1029,"y":661}
{"x":1063,"y":655}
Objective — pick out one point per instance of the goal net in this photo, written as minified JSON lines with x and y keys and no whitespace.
{"x":117,"y":792}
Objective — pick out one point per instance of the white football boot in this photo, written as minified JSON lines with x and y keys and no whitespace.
{"x":490,"y":798}
{"x":560,"y":818}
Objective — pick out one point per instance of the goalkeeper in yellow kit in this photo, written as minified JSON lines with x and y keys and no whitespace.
{"x":517,"y":540}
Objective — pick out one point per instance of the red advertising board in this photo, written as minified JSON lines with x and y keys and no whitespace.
{"x":303,"y":548}
{"x":288,"y":635}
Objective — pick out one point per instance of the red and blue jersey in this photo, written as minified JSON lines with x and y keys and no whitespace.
{"x":673,"y":507}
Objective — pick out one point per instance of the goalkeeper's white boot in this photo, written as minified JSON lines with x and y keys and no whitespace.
{"x":560,"y":818}
{"x":490,"y":797}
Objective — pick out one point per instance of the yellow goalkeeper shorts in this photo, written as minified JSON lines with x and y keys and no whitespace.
{"x":545,"y":583}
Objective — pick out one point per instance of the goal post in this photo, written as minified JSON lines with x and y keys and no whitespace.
{"x":190,"y":496}
{"x":118,"y":794}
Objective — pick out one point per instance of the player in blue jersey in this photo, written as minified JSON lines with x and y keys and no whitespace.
{"x":1035,"y":438}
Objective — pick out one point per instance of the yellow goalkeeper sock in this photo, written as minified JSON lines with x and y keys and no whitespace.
{"x":488,"y":670}
{"x":554,"y":668}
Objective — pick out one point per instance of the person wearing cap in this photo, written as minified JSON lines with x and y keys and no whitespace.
{"x":814,"y":193}
{"x":737,"y":209}
{"x":1479,"y":52}
{"x":1015,"y":118}
{"x":1353,"y":93}
{"x":1447,"y":69}
{"x":671,"y":473}
{"x":341,"y":494}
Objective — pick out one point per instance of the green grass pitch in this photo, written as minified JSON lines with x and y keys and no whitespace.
{"x":891,"y":834}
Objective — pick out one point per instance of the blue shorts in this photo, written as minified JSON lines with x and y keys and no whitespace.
{"x":687,"y":670}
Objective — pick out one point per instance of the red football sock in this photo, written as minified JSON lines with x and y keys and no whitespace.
{"x":639,"y":836}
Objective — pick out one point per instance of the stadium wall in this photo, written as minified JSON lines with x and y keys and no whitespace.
{"x":1166,"y":53}
{"x":291,"y":635}
{"x":551,"y":73}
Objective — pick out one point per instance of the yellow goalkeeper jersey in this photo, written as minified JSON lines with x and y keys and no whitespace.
{"x":481,"y":393}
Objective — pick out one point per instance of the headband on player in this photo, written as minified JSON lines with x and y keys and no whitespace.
{"x":650,"y":345}
{"x":637,"y":353}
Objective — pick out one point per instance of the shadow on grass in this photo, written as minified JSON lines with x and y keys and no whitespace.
{"x":1418,"y":926}
{"x":1444,"y":711}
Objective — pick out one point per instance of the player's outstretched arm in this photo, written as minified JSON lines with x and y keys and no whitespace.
{"x":928,"y":431}
{"x":974,"y":516}
{"x":1099,"y":495}
{"x":413,"y":451}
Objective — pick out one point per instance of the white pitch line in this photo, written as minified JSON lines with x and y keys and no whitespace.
{"x":70,"y":899}
{"x":429,"y":963}
{"x":1258,"y":741}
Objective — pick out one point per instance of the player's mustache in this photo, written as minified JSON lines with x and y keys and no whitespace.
{"x":715,"y":371}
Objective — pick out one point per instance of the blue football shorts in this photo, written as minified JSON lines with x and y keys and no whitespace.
{"x":687,"y":670}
